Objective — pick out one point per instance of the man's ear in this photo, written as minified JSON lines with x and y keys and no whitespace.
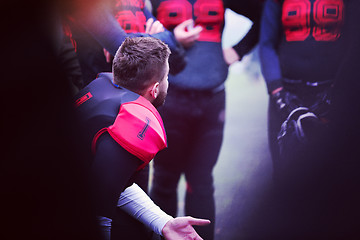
{"x":154,"y":90}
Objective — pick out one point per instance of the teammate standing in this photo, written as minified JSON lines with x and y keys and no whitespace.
{"x":301,"y":45}
{"x":308,"y":52}
{"x":195,"y":108}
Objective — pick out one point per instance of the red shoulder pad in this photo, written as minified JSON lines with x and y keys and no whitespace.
{"x":139,"y":129}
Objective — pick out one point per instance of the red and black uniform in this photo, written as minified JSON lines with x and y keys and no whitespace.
{"x":301,"y":44}
{"x":106,"y":26}
{"x":195,"y":105}
{"x":309,"y":47}
{"x":124,"y":131}
{"x":301,"y":41}
{"x":207,"y":69}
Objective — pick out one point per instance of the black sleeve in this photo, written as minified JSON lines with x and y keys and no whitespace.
{"x":270,"y":32}
{"x":111,"y":171}
{"x":69,"y":62}
{"x":155,"y":4}
{"x":252,"y":10}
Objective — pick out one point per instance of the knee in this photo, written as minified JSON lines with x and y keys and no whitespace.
{"x":165,"y":181}
{"x":200,"y":188}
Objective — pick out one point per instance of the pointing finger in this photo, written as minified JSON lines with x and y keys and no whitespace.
{"x":186,"y":23}
{"x":149,"y":22}
{"x":156,"y":27}
{"x":198,"y":238}
{"x":198,"y":221}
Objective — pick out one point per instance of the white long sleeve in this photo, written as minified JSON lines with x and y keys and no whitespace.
{"x":138,"y":204}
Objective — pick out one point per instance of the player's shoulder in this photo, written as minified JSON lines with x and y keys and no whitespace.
{"x":99,"y":84}
{"x":139,"y":129}
{"x":102,"y":91}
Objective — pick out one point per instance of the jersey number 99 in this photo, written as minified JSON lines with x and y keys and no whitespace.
{"x":327,"y":16}
{"x":209,"y":14}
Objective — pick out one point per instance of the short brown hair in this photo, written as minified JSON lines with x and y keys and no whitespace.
{"x":139,"y":62}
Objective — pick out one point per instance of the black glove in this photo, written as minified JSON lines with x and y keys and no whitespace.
{"x":298,"y":140}
{"x":321,"y":106}
{"x":285,"y":102}
{"x":299,"y":127}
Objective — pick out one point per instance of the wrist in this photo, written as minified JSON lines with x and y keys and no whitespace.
{"x":273,"y":84}
{"x":135,"y":202}
{"x":277,"y":90}
{"x":166,"y":228}
{"x":163,"y":224}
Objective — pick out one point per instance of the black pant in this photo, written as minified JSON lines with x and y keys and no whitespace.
{"x":315,"y":99}
{"x":194,"y":123}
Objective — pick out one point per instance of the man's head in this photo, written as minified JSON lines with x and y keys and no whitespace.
{"x":141,"y":65}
